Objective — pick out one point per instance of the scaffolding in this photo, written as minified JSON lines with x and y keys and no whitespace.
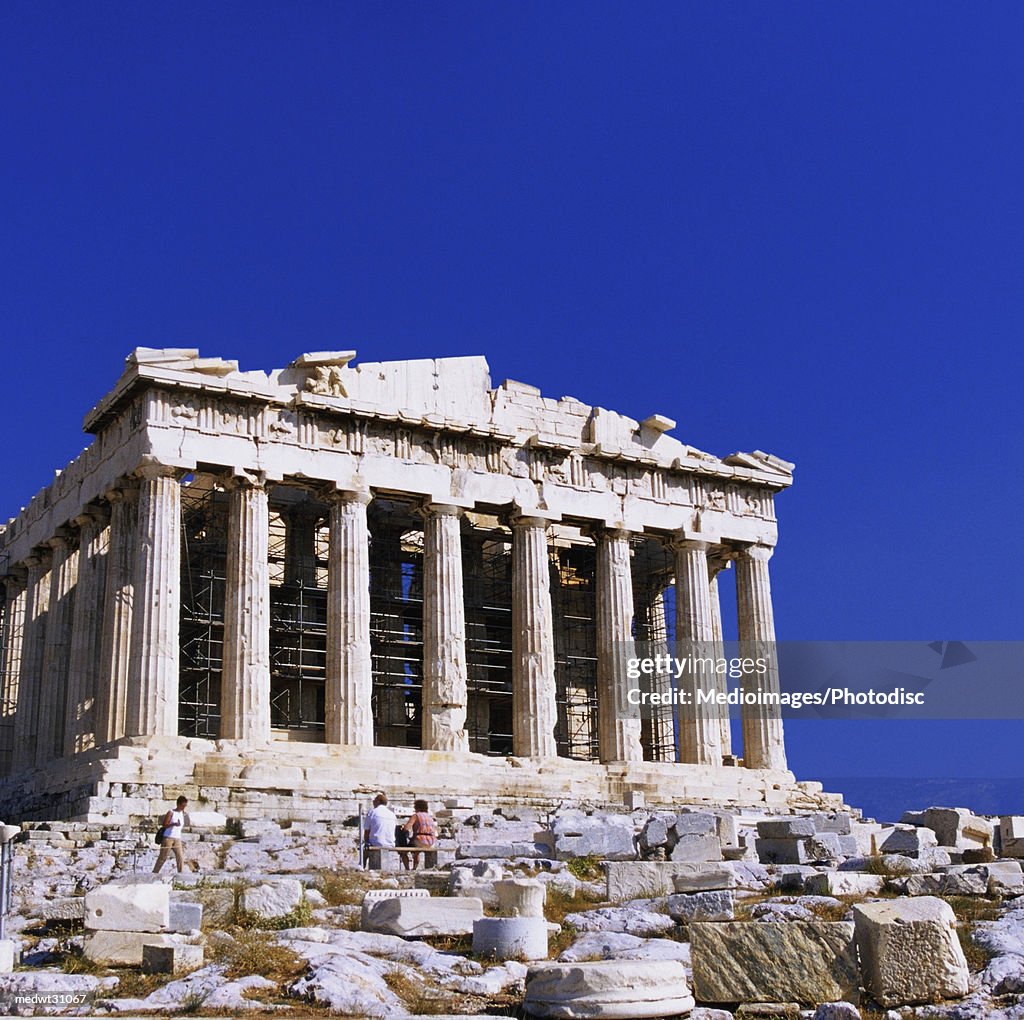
{"x":8,"y":689}
{"x":396,"y":624}
{"x":573,"y":569}
{"x":204,"y":520}
{"x":298,"y":614}
{"x":487,"y":585}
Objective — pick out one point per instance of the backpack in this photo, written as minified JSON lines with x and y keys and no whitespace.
{"x":161,"y":828}
{"x":402,"y":837}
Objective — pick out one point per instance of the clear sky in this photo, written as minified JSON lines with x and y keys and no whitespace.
{"x":794,"y":227}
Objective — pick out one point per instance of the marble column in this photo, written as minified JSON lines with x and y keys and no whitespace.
{"x":700,"y":734}
{"x":79,"y":714}
{"x":14,"y":631}
{"x":715,"y":566}
{"x":444,"y":632}
{"x":763,"y":745}
{"x":534,"y":710}
{"x":37,"y":606}
{"x":349,"y":684}
{"x":152,"y":708}
{"x":53,"y":691}
{"x":618,"y":721}
{"x":115,"y":637}
{"x":245,"y":678}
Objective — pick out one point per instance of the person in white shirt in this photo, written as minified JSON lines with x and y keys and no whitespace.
{"x":173,"y":823}
{"x":380,"y":823}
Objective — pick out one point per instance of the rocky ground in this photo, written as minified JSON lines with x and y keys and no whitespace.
{"x":703,"y":913}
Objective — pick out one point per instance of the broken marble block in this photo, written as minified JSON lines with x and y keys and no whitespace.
{"x":714,"y":905}
{"x":909,"y":951}
{"x":416,"y":917}
{"x":792,"y":961}
{"x":1011,"y":835}
{"x":128,"y":905}
{"x":272,"y":898}
{"x":173,"y":959}
{"x":786,"y":828}
{"x":695,"y":847}
{"x":609,"y":837}
{"x":843,"y":883}
{"x":909,"y":840}
{"x":608,"y":988}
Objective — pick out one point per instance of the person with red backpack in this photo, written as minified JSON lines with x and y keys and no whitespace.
{"x":422,"y":828}
{"x":170,"y":836}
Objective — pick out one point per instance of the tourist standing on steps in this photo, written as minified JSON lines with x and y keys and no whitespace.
{"x":423,"y":829}
{"x":173,"y":822}
{"x":380,"y":824}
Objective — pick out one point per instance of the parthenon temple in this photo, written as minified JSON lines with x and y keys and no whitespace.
{"x":288,"y":588}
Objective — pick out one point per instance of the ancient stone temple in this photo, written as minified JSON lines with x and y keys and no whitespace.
{"x":277,"y":590}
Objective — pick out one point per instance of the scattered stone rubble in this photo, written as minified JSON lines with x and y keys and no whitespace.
{"x":578,"y":913}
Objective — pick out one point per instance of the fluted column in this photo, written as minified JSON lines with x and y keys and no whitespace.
{"x":444,"y":632}
{"x":700,"y":736}
{"x":618,"y":722}
{"x":715,"y":566}
{"x":763,"y":744}
{"x":14,"y":631}
{"x":37,"y":606}
{"x":349,"y":689}
{"x":534,"y":711}
{"x":79,"y":714}
{"x":245,"y":679}
{"x":115,"y":638}
{"x":152,"y":708}
{"x":53,"y":691}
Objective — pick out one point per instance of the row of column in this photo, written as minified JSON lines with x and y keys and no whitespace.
{"x":88,"y":676}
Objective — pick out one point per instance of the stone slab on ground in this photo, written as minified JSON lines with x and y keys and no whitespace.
{"x":123,"y":948}
{"x":714,"y":905}
{"x":184,"y":916}
{"x":173,"y":959}
{"x":608,"y":988}
{"x":634,"y":880}
{"x":786,"y":828}
{"x":609,"y":837}
{"x":909,"y":951}
{"x":793,"y":961}
{"x":273,"y":898}
{"x":415,"y":917}
{"x":697,"y":847}
{"x":843,"y":883}
{"x":127,"y":905}
{"x":910,"y":840}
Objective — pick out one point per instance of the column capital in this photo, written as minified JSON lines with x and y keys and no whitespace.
{"x":429,"y":508}
{"x":61,"y":538}
{"x":759,"y":553}
{"x":91,"y":514}
{"x":124,"y":489}
{"x":150,"y":468}
{"x":15,"y":578}
{"x":40,"y":556}
{"x":699,"y":540}
{"x":529,"y":519}
{"x":598,"y":530}
{"x":330,"y":494}
{"x":238,"y":478}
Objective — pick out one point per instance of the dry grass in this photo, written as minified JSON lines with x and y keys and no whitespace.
{"x":345,"y":888}
{"x":974,"y":908}
{"x":73,"y":961}
{"x":251,"y":951}
{"x":419,"y":999}
{"x":133,"y":984}
{"x":559,"y":903}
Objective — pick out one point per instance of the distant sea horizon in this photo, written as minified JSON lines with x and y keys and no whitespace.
{"x":886,"y":798}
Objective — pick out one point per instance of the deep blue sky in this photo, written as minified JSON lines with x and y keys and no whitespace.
{"x":794,"y":227}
